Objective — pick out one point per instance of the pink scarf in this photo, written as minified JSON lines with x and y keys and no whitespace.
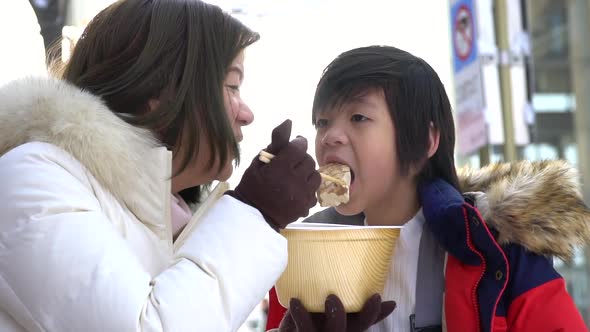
{"x":180,"y":214}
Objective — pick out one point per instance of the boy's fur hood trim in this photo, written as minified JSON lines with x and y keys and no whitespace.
{"x":538,"y":205}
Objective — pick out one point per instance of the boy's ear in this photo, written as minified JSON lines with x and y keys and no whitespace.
{"x":433,"y":140}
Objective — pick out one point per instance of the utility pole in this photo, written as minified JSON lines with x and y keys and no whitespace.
{"x":501,"y":27}
{"x":579,"y":29}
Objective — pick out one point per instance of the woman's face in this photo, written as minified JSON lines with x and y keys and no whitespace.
{"x":238,"y":114}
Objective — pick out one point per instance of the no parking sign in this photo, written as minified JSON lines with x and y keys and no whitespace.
{"x":471,"y":124}
{"x":463,"y":36}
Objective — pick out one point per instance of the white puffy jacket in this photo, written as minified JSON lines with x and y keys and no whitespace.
{"x":85,"y":231}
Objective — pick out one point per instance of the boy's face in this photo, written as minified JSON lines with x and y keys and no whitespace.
{"x":361,"y":134}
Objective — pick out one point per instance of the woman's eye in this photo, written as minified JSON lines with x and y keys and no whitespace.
{"x":233,"y":88}
{"x":359,"y":118}
{"x":321,"y":123}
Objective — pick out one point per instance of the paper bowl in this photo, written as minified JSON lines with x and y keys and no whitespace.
{"x":350,"y":262}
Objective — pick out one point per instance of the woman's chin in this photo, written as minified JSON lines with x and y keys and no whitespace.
{"x":225,"y":173}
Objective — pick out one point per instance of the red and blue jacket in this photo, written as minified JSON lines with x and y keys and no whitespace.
{"x":499,"y":273}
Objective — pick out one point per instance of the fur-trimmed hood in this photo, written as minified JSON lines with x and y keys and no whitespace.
{"x":538,"y":205}
{"x":124,"y":159}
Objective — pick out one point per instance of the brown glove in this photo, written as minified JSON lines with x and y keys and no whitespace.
{"x":335,"y":319}
{"x":284,"y":189}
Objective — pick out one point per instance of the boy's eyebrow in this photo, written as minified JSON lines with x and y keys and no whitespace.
{"x":362,"y":101}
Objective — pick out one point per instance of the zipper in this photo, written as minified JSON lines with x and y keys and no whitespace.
{"x":483,"y":261}
{"x":507,"y":276}
{"x":168,"y":200}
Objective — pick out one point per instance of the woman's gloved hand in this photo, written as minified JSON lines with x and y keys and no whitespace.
{"x":335,"y":319}
{"x":284,"y":189}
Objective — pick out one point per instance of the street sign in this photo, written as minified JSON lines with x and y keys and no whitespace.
{"x":469,"y":93}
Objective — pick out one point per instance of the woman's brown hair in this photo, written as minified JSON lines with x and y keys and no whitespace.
{"x":176,"y":51}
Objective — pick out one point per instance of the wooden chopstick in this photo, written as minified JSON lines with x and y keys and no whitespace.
{"x":333,"y":179}
{"x":266,"y":157}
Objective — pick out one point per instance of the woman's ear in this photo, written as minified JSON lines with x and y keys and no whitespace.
{"x":433,"y":140}
{"x":153,"y":104}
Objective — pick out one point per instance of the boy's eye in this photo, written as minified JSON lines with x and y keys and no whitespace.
{"x":321,"y":123}
{"x":358,"y":118}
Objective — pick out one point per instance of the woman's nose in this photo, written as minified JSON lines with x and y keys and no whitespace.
{"x":245,"y":115}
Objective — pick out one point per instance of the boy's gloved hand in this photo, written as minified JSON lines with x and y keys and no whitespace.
{"x":284,"y":189}
{"x":335,"y":319}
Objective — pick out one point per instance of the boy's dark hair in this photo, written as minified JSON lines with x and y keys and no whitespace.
{"x":414,"y":95}
{"x":178,"y":51}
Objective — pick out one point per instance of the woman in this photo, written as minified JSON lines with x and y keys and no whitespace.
{"x":98,"y":170}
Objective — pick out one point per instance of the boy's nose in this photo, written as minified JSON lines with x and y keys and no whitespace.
{"x":335,"y":136}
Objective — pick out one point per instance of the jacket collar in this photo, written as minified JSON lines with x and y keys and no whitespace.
{"x":537,"y":205}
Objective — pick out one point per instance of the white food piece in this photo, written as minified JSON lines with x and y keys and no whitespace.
{"x":332,"y":193}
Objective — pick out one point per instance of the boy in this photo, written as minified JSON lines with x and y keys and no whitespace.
{"x":385,"y":114}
